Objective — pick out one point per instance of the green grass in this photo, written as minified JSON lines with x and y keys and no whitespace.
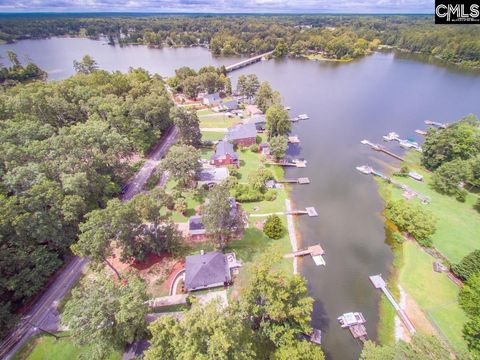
{"x":210,"y":119}
{"x":212,"y":135}
{"x":434,"y":293}
{"x":249,"y":162}
{"x":458,"y":224}
{"x":45,"y":347}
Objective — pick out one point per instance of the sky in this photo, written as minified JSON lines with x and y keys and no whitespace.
{"x":221,"y":6}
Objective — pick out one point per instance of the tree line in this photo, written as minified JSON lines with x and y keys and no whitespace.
{"x":65,"y":150}
{"x":338,"y":37}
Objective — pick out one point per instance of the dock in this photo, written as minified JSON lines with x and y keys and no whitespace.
{"x":293,"y":163}
{"x":421,"y":132}
{"x":247,"y":62}
{"x":380,"y":148}
{"x":437,"y":124}
{"x":293,"y":139}
{"x":316,"y":336}
{"x":354,"y":321}
{"x":359,"y":332}
{"x":315,"y":251}
{"x":302,"y":181}
{"x":300,"y":117}
{"x":379,"y":283}
{"x":310,"y":211}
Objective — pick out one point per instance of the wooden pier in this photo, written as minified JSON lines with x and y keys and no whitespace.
{"x":310,"y":211}
{"x":379,"y":283}
{"x":302,"y":181}
{"x":295,"y":163}
{"x":247,"y":62}
{"x":359,"y":332}
{"x":380,"y":148}
{"x":315,"y":251}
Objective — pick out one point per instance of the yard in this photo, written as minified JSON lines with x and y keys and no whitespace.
{"x":211,"y":119}
{"x":45,"y":347}
{"x":434,"y":293}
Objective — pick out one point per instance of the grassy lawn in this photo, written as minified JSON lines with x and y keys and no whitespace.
{"x":434,"y":293}
{"x":458,"y":224}
{"x":212,"y":135}
{"x":47,"y":348}
{"x":210,"y":119}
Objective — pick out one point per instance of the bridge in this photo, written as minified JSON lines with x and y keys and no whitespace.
{"x":247,"y":62}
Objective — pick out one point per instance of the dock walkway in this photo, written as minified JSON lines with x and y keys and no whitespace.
{"x":379,"y":283}
{"x":380,"y":148}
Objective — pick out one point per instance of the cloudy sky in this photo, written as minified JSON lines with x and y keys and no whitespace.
{"x":221,"y":6}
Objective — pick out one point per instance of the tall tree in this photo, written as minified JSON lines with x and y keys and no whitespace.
{"x":247,"y":85}
{"x":278,"y":146}
{"x":220,"y":217}
{"x":85,"y":66}
{"x":188,"y":126}
{"x":106,"y":315}
{"x":468,"y":266}
{"x":266,"y":97}
{"x":183,"y":163}
{"x":205,"y":332}
{"x":277,"y":121}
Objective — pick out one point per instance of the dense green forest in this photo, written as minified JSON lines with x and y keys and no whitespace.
{"x":64,"y":152}
{"x":338,"y":37}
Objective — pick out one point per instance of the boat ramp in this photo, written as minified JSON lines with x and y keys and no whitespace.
{"x":379,"y":283}
{"x":380,"y":148}
{"x":315,"y":251}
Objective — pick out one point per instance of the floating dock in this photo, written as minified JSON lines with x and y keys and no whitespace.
{"x":380,"y":148}
{"x":315,"y":251}
{"x":302,"y":181}
{"x":316,"y":336}
{"x":354,"y":321}
{"x":437,"y":124}
{"x":293,"y":139}
{"x":379,"y":283}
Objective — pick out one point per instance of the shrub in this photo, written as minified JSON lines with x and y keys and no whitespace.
{"x":254,"y":148}
{"x":245,"y":193}
{"x":273,"y":227}
{"x":270,"y":195}
{"x":468,"y":266}
{"x":233,"y":170}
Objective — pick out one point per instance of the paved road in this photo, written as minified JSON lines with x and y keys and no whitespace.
{"x":43,"y":314}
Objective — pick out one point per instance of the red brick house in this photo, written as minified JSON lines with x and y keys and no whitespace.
{"x":244,"y":134}
{"x":224,"y":154}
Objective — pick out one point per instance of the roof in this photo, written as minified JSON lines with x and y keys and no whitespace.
{"x":253,"y":109}
{"x":231,"y":104}
{"x":222,"y":149}
{"x":212,"y":97}
{"x":206,"y":270}
{"x":195,"y":225}
{"x":243,"y":131}
{"x":256,"y":119}
{"x":210,"y":175}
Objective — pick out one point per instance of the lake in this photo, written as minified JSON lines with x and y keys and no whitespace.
{"x":346,"y":102}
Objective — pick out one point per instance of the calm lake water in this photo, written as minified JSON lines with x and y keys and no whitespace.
{"x":346,"y":103}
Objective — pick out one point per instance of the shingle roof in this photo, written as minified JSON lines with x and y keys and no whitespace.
{"x":230,"y":105}
{"x":222,"y":149}
{"x":195,"y":225}
{"x":205,"y":270}
{"x":243,"y":131}
{"x":212,"y":97}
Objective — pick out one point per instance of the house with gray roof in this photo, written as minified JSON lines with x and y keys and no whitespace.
{"x":229,"y":105}
{"x":224,"y":154}
{"x":243,"y":134}
{"x":211,"y":99}
{"x":196,"y":229}
{"x":209,"y":270}
{"x":259,"y":122}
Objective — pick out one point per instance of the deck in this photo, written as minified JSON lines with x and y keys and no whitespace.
{"x":379,"y":283}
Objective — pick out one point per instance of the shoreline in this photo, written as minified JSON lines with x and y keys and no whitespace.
{"x":292,"y":234}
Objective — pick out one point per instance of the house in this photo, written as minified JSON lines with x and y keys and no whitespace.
{"x":259,"y":122}
{"x":196,"y":229}
{"x":224,"y":154}
{"x":229,"y":105}
{"x":210,"y":176}
{"x":253,"y":110}
{"x":244,"y":134}
{"x":209,"y":270}
{"x":211,"y":99}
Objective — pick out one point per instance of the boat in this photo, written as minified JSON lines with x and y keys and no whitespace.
{"x":351,"y":319}
{"x":408,"y":144}
{"x":421,"y":132}
{"x":293,"y":139}
{"x":364,"y":169}
{"x":415,"y":176}
{"x":303,"y":117}
{"x":391,"y":136}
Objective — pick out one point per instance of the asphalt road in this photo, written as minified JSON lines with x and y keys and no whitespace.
{"x":43,"y":314}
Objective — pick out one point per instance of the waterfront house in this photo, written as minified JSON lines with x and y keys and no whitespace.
{"x":253,"y":110}
{"x":224,"y":154}
{"x":209,"y":270}
{"x":259,"y":122}
{"x":243,"y":134}
{"x":211,"y":99}
{"x":229,"y":105}
{"x":211,"y":176}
